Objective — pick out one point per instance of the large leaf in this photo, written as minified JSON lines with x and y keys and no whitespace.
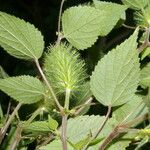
{"x":130,"y":110}
{"x":20,"y":39}
{"x":25,"y":89}
{"x":145,"y":76}
{"x":116,"y":77}
{"x":83,"y":24}
{"x":136,"y":4}
{"x":82,"y":127}
{"x":55,"y":145}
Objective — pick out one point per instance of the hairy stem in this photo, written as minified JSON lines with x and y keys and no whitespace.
{"x":21,"y":127}
{"x":59,"y":23}
{"x":48,"y":85}
{"x":64,"y":121}
{"x":4,"y":129}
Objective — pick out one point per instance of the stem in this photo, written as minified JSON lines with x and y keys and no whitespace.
{"x":104,"y":122}
{"x":129,"y":27}
{"x":120,"y":128}
{"x":64,"y":131}
{"x":146,"y":41}
{"x":59,"y":22}
{"x":4,"y":129}
{"x":67,"y":99}
{"x":110,"y":137}
{"x":64,"y":121}
{"x":101,"y":127}
{"x":85,"y":104}
{"x":48,"y":85}
{"x":21,"y":127}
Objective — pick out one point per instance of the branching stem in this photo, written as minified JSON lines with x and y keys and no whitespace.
{"x":4,"y":129}
{"x":120,"y":128}
{"x":21,"y":127}
{"x":59,"y":23}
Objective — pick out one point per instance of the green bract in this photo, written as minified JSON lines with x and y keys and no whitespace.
{"x":64,"y":68}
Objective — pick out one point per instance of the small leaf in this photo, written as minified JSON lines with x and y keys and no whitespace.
{"x":20,"y":39}
{"x":3,"y":74}
{"x":130,"y":110}
{"x":83,"y":24}
{"x":24,"y":89}
{"x":145,"y":53}
{"x":38,"y":126}
{"x":145,"y":76}
{"x":64,"y":68}
{"x":136,"y":4}
{"x":116,"y":77}
{"x":53,"y":124}
{"x":55,"y":145}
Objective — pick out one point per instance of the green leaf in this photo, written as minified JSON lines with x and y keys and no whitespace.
{"x":55,"y":145}
{"x":53,"y":124}
{"x":38,"y":126}
{"x":80,"y":128}
{"x":83,"y":24}
{"x":64,"y":68}
{"x":145,"y":76}
{"x":136,"y":4}
{"x":130,"y":110}
{"x":3,"y":74}
{"x":24,"y":89}
{"x":115,"y":14}
{"x":19,"y":38}
{"x":116,"y":77}
{"x":145,"y":53}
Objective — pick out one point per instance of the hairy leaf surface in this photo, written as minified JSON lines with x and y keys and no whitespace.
{"x":130,"y":110}
{"x":82,"y":127}
{"x":38,"y":126}
{"x":55,"y":145}
{"x":25,"y":89}
{"x":116,"y":76}
{"x":113,"y":12}
{"x":83,"y":24}
{"x":19,"y":38}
